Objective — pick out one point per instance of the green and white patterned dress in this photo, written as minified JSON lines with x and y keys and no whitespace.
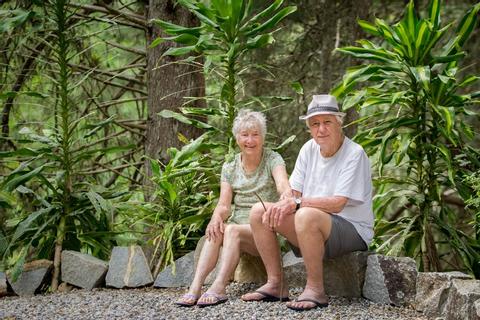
{"x":244,"y":185}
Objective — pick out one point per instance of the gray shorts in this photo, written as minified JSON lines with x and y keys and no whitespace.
{"x":343,"y":239}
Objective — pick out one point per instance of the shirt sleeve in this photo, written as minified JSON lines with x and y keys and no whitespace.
{"x":297,"y":177}
{"x":227,"y":171}
{"x":274,"y":160}
{"x":354,"y":181}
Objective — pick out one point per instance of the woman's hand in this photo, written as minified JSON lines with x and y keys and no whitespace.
{"x":215,"y":228}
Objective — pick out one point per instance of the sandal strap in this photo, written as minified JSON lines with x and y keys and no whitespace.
{"x":189,"y":296}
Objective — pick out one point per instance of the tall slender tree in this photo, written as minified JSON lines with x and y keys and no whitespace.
{"x":168,"y":82}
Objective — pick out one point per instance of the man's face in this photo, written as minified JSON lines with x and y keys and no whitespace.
{"x":325,"y":130}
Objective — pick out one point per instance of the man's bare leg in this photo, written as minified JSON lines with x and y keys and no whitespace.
{"x":269,"y":250}
{"x":313,"y":228}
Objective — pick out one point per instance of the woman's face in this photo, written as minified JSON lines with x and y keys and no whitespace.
{"x":250,"y":141}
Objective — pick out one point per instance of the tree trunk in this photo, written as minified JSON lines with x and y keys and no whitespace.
{"x":58,"y":255}
{"x":168,"y":83}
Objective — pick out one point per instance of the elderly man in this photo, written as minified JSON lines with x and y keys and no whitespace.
{"x":329,"y":214}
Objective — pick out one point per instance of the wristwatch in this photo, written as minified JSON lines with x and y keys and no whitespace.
{"x":298,"y":202}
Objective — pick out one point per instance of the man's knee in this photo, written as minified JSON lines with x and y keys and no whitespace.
{"x":310,"y":219}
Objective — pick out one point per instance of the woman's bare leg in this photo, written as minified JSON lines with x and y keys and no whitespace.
{"x":206,"y":262}
{"x":236,"y":239}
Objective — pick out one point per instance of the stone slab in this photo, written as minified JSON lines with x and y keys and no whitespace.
{"x":32,"y":277}
{"x":3,"y":284}
{"x":183,"y":275}
{"x":128,"y":268}
{"x":83,"y":270}
{"x":343,"y":276}
{"x":390,"y":280}
{"x":433,"y":289}
{"x":462,"y":303}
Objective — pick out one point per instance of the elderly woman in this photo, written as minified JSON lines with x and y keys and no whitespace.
{"x":254,"y":170}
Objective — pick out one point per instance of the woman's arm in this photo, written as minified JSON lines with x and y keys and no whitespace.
{"x":280,"y":176}
{"x":216,"y":227}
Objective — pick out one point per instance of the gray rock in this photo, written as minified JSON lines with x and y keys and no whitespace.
{"x":294,"y":270}
{"x":343,"y":276}
{"x":33,"y":276}
{"x":183,"y":275}
{"x":433,"y":289}
{"x":250,"y":269}
{"x":390,"y":280}
{"x":476,"y":305}
{"x":462,"y":303}
{"x":64,"y":287}
{"x":83,"y":270}
{"x":3,"y":284}
{"x":128,"y":267}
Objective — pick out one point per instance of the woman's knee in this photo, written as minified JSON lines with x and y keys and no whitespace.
{"x":232,"y":232}
{"x":217,"y":242}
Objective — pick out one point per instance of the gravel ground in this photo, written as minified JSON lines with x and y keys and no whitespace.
{"x":150,"y":303}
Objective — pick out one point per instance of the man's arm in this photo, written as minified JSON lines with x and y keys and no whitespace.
{"x":333,"y":204}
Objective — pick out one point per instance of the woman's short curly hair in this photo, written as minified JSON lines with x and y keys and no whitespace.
{"x":248,"y":119}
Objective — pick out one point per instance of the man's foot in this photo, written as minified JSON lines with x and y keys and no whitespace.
{"x":187,"y":300}
{"x":267,"y":293}
{"x":308,"y":300}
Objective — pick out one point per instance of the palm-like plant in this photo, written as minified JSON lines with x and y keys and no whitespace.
{"x":228,"y":30}
{"x":186,"y":190}
{"x":67,"y":208}
{"x":413,"y":106}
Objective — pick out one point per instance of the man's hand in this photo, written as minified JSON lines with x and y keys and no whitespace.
{"x":215,"y":228}
{"x":276,"y":213}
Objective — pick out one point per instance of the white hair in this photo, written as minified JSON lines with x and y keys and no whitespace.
{"x":340,"y":119}
{"x":248,"y":119}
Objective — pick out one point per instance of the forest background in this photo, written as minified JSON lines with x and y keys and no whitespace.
{"x":116,"y":117}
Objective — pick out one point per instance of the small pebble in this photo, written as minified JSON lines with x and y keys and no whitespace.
{"x":151,"y":303}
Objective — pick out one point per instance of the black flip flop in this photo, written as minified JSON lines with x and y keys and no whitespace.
{"x":318,"y":304}
{"x":268,"y":298}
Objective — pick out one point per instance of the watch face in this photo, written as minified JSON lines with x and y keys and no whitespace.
{"x":298,"y":200}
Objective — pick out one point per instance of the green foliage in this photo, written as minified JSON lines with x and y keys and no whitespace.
{"x":56,"y":202}
{"x":186,"y":189}
{"x":473,"y":202}
{"x":414,"y":105}
{"x":228,"y":31}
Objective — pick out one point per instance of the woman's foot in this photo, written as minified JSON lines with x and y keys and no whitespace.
{"x":211,"y":299}
{"x":187,"y":300}
{"x":269,"y":292}
{"x":216,"y":294}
